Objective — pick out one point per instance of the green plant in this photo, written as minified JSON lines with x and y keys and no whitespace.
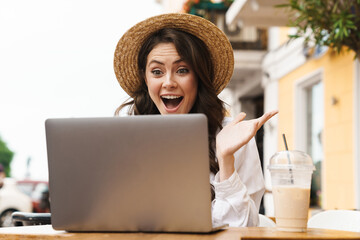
{"x":193,"y":6}
{"x":333,"y":23}
{"x":6,"y":156}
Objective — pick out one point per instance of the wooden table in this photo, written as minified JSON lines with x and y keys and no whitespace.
{"x":46,"y":232}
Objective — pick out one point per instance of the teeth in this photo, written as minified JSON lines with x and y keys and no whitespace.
{"x":170,"y":97}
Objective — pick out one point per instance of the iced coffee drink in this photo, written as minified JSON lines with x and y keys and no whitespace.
{"x":291,"y":215}
{"x":291,"y":178}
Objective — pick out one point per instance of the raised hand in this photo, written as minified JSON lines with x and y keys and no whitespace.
{"x":235,"y":135}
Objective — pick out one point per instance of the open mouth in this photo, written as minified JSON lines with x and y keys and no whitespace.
{"x":171,"y":101}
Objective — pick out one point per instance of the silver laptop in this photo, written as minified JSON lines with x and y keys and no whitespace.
{"x":138,"y":173}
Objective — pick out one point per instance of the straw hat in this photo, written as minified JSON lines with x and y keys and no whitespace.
{"x":128,"y":47}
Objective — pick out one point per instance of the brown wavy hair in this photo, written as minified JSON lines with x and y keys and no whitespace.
{"x":195,"y":53}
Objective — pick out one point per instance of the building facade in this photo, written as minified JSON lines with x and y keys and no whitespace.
{"x":316,"y":91}
{"x":318,"y":102}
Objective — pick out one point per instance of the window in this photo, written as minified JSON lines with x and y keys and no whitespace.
{"x":315,"y":122}
{"x":309,"y":125}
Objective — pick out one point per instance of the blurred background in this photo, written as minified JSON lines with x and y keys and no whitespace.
{"x":56,"y":60}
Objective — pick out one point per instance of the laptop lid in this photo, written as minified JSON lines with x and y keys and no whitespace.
{"x":136,"y":173}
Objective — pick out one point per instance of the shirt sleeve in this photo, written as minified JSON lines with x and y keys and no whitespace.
{"x":237,"y":199}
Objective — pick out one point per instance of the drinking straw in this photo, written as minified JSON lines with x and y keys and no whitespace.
{"x":289,"y":161}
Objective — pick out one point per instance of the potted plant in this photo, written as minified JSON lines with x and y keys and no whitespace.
{"x":333,"y":23}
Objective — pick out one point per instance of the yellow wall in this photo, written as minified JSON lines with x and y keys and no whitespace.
{"x":338,"y":166}
{"x":283,"y":35}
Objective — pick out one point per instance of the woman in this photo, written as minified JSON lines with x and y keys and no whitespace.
{"x":178,"y":64}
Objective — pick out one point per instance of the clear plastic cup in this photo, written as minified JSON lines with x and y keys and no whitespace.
{"x":291,"y":173}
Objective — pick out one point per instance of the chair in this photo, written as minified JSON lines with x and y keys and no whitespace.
{"x":265,"y":221}
{"x":346,"y":220}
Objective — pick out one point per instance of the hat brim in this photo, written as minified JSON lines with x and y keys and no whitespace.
{"x":128,"y":47}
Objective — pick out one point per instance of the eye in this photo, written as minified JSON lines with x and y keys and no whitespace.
{"x":156,"y":72}
{"x":183,"y":71}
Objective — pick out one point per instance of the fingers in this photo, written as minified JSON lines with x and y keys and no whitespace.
{"x":241,"y":116}
{"x":260,"y":121}
{"x":265,"y":117}
{"x":271,"y":114}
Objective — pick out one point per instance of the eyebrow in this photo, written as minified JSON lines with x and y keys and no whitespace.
{"x":161,"y":63}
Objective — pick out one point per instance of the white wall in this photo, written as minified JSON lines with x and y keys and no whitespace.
{"x":56,"y":60}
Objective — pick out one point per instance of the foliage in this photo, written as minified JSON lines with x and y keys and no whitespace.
{"x":6,"y":156}
{"x":333,"y":23}
{"x":189,"y":5}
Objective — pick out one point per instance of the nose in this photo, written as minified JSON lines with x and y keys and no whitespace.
{"x":169,"y":82}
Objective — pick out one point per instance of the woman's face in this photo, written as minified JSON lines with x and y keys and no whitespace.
{"x":171,"y":82}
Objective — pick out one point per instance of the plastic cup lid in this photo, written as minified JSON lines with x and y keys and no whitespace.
{"x":291,"y":160}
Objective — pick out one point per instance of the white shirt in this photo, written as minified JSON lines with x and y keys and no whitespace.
{"x":237,"y":199}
